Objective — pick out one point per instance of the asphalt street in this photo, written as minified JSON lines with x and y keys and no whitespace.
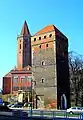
{"x":33,"y":118}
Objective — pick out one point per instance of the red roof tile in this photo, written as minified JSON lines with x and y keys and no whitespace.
{"x":46,"y":29}
{"x":8,"y":74}
{"x":49,"y":28}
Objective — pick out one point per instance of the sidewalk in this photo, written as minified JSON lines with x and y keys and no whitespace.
{"x":43,"y":109}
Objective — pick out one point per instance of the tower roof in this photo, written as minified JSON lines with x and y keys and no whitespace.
{"x":46,"y":29}
{"x":49,"y":28}
{"x":25,"y":29}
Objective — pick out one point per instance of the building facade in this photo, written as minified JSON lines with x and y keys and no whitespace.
{"x":43,"y":57}
{"x":50,"y":65}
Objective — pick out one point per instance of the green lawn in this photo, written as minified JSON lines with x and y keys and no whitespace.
{"x":57,"y":114}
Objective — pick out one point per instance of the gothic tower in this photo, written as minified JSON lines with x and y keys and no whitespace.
{"x":24,"y":47}
{"x":50,"y":66}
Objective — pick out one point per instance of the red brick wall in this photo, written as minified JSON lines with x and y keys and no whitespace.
{"x":6,"y":85}
{"x":20,"y":84}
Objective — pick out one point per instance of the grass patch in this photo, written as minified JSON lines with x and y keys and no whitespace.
{"x":50,"y":114}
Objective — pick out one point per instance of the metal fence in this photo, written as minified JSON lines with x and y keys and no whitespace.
{"x":51,"y":115}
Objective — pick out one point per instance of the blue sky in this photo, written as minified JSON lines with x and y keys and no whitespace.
{"x":66,"y":15}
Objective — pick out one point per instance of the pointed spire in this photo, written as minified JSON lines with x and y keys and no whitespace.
{"x":25,"y":30}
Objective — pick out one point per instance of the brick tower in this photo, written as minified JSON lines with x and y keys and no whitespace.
{"x":24,"y":47}
{"x":50,"y":65}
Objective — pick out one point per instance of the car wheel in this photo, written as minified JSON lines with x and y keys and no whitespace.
{"x":71,"y":112}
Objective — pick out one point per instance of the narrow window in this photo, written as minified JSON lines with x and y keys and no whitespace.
{"x":40,"y":46}
{"x":22,"y":79}
{"x":15,"y":88}
{"x":44,"y":37}
{"x":34,"y":39}
{"x":15,"y":79}
{"x":29,"y":68}
{"x":42,"y":80}
{"x":34,"y":82}
{"x":46,"y":45}
{"x":50,"y":35}
{"x":43,"y":63}
{"x":20,"y":46}
{"x":39,"y":38}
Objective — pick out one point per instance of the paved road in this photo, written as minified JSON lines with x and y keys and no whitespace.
{"x":33,"y":118}
{"x":23,"y":118}
{"x":7,"y":118}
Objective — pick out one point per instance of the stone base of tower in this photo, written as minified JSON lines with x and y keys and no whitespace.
{"x":46,"y":98}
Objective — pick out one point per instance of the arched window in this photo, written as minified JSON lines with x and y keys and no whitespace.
{"x":46,"y":45}
{"x":39,"y":38}
{"x":50,"y":35}
{"x":20,"y":46}
{"x":42,"y":80}
{"x":43,"y":62}
{"x":40,"y":46}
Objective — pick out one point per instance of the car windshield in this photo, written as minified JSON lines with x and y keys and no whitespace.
{"x":74,"y":108}
{"x":79,"y":108}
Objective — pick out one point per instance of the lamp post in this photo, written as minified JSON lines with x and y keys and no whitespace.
{"x":31,"y":80}
{"x":31,"y":95}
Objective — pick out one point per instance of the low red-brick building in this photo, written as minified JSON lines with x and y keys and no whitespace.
{"x":21,"y":79}
{"x":17,"y":80}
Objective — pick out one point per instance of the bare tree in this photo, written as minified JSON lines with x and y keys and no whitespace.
{"x":76,"y":75}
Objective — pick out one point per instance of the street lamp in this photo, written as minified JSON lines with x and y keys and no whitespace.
{"x":31,"y":80}
{"x":31,"y":93}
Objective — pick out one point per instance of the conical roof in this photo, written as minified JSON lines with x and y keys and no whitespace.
{"x":25,"y":30}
